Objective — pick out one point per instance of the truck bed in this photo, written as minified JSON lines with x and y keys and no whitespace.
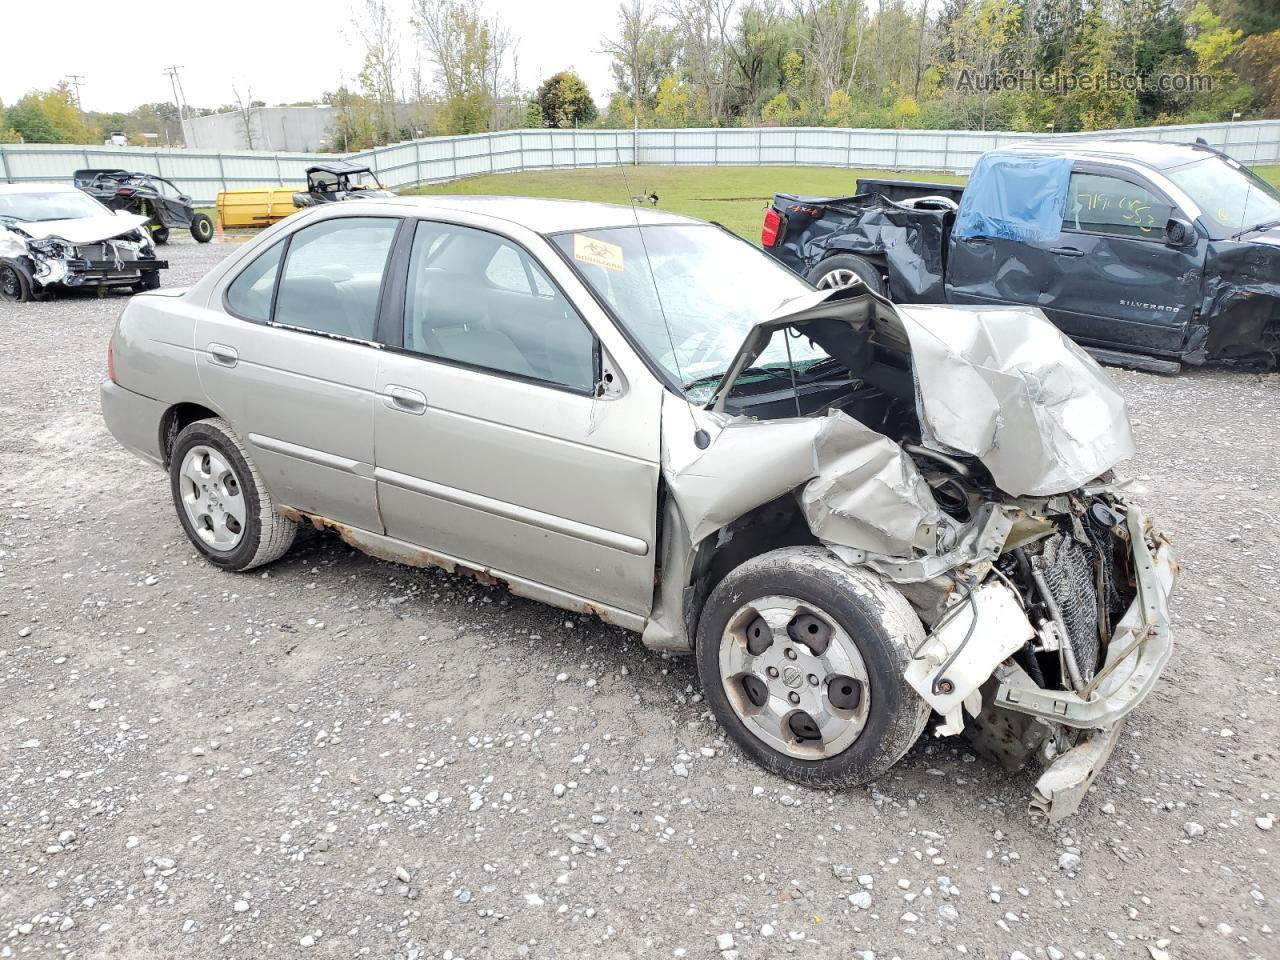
{"x":900,"y":190}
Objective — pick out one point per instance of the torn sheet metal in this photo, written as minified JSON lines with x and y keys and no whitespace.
{"x":1064,"y":783}
{"x":1004,"y":385}
{"x":865,"y":493}
{"x":1239,"y":318}
{"x":910,"y":241}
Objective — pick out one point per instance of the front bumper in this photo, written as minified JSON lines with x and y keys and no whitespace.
{"x":1139,"y":649}
{"x":100,"y":273}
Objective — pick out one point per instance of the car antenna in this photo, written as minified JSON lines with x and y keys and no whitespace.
{"x":701,"y":438}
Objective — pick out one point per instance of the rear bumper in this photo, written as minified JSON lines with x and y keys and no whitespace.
{"x":100,"y":273}
{"x":134,"y":420}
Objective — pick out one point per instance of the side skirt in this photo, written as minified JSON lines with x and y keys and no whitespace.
{"x":398,"y":551}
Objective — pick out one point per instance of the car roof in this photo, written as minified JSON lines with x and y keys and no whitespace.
{"x":1152,"y":153}
{"x":541,"y":215}
{"x":38,"y":188}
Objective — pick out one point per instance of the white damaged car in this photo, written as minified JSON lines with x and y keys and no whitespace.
{"x":855,"y":515}
{"x":54,"y":236}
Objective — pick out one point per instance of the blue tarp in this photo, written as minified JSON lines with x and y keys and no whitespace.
{"x":1015,"y":197}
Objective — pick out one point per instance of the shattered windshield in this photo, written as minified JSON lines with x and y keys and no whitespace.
{"x":1232,"y":199}
{"x":54,"y":205}
{"x":690,"y":294}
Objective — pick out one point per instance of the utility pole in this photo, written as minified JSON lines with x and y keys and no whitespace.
{"x":175,"y":84}
{"x":77,"y":79}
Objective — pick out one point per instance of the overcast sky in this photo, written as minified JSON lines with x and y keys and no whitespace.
{"x":286,"y":50}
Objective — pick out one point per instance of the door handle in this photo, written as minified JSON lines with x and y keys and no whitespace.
{"x":1066,"y":251}
{"x":976,"y":241}
{"x":405,"y":399}
{"x":223,"y":355}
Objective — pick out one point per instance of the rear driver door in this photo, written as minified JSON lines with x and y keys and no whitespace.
{"x":290,"y":358}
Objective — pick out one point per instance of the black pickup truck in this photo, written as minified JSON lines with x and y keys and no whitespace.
{"x":1149,"y":254}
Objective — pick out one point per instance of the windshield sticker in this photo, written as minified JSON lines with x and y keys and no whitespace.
{"x":597,"y":252}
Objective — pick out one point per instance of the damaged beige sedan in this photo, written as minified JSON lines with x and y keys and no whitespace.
{"x":854,"y":515}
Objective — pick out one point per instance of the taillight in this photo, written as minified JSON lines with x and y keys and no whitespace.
{"x":111,"y":363}
{"x":124,"y":191}
{"x":769,"y":232}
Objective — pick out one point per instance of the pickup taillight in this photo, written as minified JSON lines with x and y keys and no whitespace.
{"x":769,"y":232}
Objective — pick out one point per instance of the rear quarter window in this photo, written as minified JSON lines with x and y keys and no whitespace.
{"x":249,"y":296}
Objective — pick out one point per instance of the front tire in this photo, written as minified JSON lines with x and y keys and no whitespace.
{"x":221,"y":501}
{"x":149,"y":281}
{"x":15,"y":283}
{"x":844,"y":269}
{"x":201,"y":228}
{"x":802,"y":659}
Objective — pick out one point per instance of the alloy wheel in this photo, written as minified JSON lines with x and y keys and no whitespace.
{"x":213,"y":498}
{"x":839,"y":277}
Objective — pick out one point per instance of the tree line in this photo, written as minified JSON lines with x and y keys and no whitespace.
{"x":1062,"y":65}
{"x":953,"y":64}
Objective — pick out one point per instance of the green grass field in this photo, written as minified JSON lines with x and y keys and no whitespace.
{"x":733,"y":196}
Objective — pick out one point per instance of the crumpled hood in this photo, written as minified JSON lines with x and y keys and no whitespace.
{"x":1001,"y":384}
{"x":83,"y":229}
{"x":1006,"y":386}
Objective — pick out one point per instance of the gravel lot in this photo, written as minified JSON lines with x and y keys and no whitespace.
{"x":344,"y":757}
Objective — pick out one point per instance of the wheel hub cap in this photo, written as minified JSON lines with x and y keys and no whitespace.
{"x":794,"y":677}
{"x":212,"y":498}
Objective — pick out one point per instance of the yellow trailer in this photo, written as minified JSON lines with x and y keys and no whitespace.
{"x":255,"y":208}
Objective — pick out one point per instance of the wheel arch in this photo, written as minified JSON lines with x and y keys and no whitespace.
{"x":878,"y":259}
{"x":777,"y":523}
{"x":175,"y":419}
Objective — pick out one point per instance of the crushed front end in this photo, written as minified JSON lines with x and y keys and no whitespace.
{"x":1040,"y":645}
{"x":103,"y":252}
{"x":965,"y":455}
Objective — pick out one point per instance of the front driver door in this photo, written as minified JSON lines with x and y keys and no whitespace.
{"x":1120,"y":283}
{"x":491,"y":445}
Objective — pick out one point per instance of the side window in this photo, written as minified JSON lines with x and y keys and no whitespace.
{"x":249,"y":295}
{"x":333,"y":274}
{"x":477,"y":299}
{"x":1102,"y":204}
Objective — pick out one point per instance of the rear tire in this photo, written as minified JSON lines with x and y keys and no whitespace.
{"x":845,"y":268}
{"x":15,"y":282}
{"x":201,"y":228}
{"x":758,"y":667}
{"x":221,"y":500}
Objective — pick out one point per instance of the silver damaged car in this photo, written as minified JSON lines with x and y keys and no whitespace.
{"x":854,"y":515}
